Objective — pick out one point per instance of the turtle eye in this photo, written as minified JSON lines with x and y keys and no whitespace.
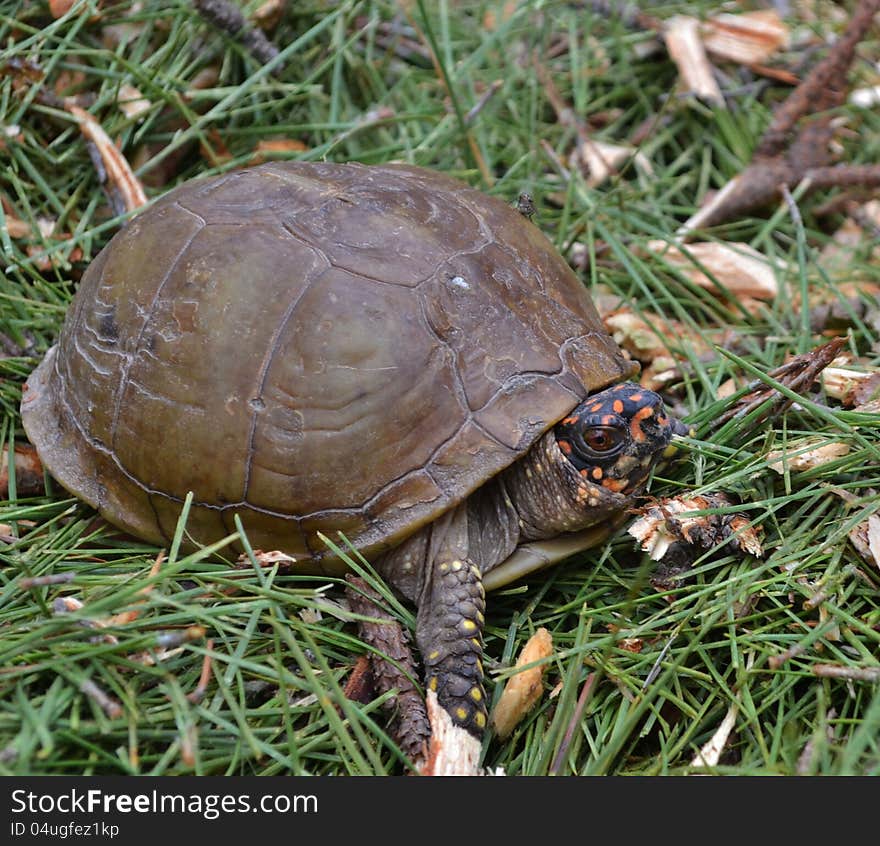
{"x":601,"y":441}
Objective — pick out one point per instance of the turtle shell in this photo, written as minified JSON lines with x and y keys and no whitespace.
{"x":312,"y":347}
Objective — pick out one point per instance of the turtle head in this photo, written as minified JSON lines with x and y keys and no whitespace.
{"x":615,"y":437}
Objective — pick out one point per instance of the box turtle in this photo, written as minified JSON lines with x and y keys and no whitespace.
{"x":380,"y":351}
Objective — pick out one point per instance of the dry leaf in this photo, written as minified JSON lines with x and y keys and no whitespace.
{"x":119,"y":174}
{"x":682,"y":36}
{"x":523,"y":689}
{"x":804,"y":456}
{"x":739,"y":268}
{"x":749,"y":38}
{"x":670,"y":521}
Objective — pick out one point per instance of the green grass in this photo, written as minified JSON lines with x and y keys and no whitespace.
{"x":669,"y":664}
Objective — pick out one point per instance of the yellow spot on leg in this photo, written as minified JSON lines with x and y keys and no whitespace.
{"x":469,"y":625}
{"x":435,"y":654}
{"x":480,"y":719}
{"x":432,"y":684}
{"x":476,"y":694}
{"x":461,"y":713}
{"x":457,"y":565}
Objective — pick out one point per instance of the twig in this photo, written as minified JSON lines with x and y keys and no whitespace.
{"x":109,"y":706}
{"x":227,"y":17}
{"x":797,"y":375}
{"x":42,"y":581}
{"x":838,"y":671}
{"x":204,"y":679}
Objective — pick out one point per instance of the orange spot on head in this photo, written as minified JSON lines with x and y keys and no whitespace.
{"x":607,"y":419}
{"x":597,"y":473}
{"x":618,"y":406}
{"x":596,"y":407}
{"x":616,"y":485}
{"x":635,"y":425}
{"x":565,"y":446}
{"x":584,"y":472}
{"x":570,"y":420}
{"x":636,"y":397}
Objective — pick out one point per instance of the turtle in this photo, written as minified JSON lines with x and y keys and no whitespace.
{"x":376,"y":351}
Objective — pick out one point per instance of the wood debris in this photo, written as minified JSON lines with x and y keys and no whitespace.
{"x":736,"y":267}
{"x":791,"y":151}
{"x":749,"y":38}
{"x":857,"y":234}
{"x":270,"y":558}
{"x":132,"y":103}
{"x":108,"y":705}
{"x":710,"y":753}
{"x":685,"y":47}
{"x":798,"y":375}
{"x":452,"y":751}
{"x":854,"y":388}
{"x":671,"y":521}
{"x":270,"y":149}
{"x":839,"y":671}
{"x":228,"y":17}
{"x":523,"y":689}
{"x":865,"y":537}
{"x":596,"y":160}
{"x":808,"y":455}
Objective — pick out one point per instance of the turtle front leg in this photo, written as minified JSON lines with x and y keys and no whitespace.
{"x":449,"y":626}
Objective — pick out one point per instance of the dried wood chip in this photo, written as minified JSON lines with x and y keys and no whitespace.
{"x":865,"y":537}
{"x":523,"y":689}
{"x":854,"y":388}
{"x":806,"y":456}
{"x":710,"y":753}
{"x":453,"y":751}
{"x":269,"y":13}
{"x":669,"y":522}
{"x":682,"y":36}
{"x":748,"y":38}
{"x":272,"y":148}
{"x":737,"y":267}
{"x":284,"y":561}
{"x":132,"y":103}
{"x":598,"y":160}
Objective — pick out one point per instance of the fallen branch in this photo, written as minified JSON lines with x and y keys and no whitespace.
{"x":782,"y":160}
